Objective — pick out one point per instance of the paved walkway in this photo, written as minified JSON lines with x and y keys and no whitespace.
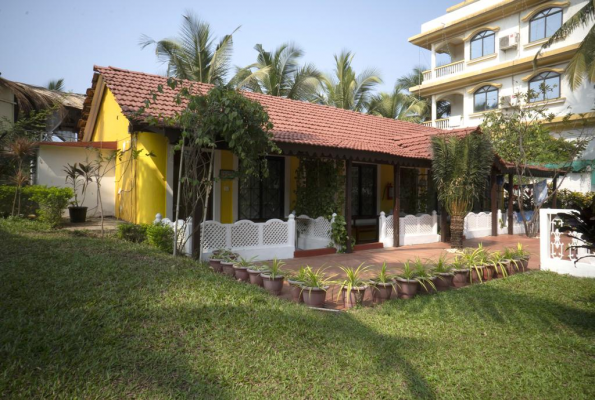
{"x":394,"y":257}
{"x":110,"y":224}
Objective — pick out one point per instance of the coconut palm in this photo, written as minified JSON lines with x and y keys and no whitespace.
{"x":56,"y":84}
{"x":414,"y":78}
{"x":278,"y":73}
{"x":194,"y":55}
{"x":398,"y":105}
{"x":460,"y":168}
{"x":582,"y":62}
{"x":346,"y":89}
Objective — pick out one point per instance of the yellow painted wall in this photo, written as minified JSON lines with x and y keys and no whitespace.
{"x":386,"y":176}
{"x":140,"y":187}
{"x":226,"y":189}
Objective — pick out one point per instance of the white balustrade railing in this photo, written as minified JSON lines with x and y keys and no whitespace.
{"x":555,"y":255}
{"x":413,"y":229}
{"x":264,"y":241}
{"x":480,"y":225}
{"x":443,"y":123}
{"x":314,"y":233}
{"x":449,"y":69}
{"x":427,"y":75}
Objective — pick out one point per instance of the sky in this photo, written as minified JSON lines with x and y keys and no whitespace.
{"x":51,"y":39}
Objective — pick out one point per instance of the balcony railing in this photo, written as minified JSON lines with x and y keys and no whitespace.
{"x":444,"y":70}
{"x":454,"y":121}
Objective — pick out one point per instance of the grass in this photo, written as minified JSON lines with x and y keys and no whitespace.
{"x":84,"y":317}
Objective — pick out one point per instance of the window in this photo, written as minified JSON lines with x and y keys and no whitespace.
{"x":544,"y":86}
{"x":545,"y":23}
{"x":363,"y":189}
{"x":482,"y":44}
{"x":263,"y":199}
{"x":485,"y":98}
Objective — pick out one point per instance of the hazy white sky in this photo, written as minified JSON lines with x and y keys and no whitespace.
{"x":50,"y":39}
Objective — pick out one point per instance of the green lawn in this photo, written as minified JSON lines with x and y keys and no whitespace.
{"x":83,"y":317}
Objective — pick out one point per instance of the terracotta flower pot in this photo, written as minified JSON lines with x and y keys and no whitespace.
{"x":461,"y":278}
{"x":241,"y":273}
{"x":382,"y":291}
{"x":273,"y":285}
{"x":295,"y":287}
{"x":498,"y":271}
{"x":255,"y":277}
{"x":488,"y":273}
{"x":511,"y":267}
{"x":314,"y":297}
{"x":428,"y":289}
{"x":477,"y":273}
{"x":228,"y":268}
{"x":407,"y":288}
{"x":443,"y":281}
{"x":356,"y":296}
{"x":216,"y":265}
{"x":523,"y":264}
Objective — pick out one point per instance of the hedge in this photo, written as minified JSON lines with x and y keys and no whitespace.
{"x":46,"y":202}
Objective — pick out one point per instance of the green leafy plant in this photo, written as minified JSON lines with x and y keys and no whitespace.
{"x":408,"y":272}
{"x":353,"y":279}
{"x":423,"y":276}
{"x":382,"y":276}
{"x":458,"y":263}
{"x":52,"y":202}
{"x":510,"y":255}
{"x":474,"y":260}
{"x":132,"y":232}
{"x":161,"y":236}
{"x":441,"y":265}
{"x":275,"y":269}
{"x":300,"y":275}
{"x":316,"y":279}
{"x":498,"y":260}
{"x":319,"y":187}
{"x":78,"y":175}
{"x":520,"y":252}
{"x":245,"y":262}
{"x":339,"y":234}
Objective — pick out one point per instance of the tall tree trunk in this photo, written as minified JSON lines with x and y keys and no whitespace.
{"x":457,"y":224}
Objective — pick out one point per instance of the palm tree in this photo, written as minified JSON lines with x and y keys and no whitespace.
{"x":460,"y":168}
{"x":56,"y":84}
{"x":398,"y":104}
{"x":414,"y":78}
{"x":346,"y":89}
{"x":278,"y":73}
{"x":582,"y":62}
{"x":194,"y":55}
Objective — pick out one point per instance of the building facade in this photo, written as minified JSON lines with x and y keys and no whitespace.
{"x":482,"y":54}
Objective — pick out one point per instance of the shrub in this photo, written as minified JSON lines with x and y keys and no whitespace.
{"x":28,"y":205}
{"x":161,"y":236}
{"x":52,"y":202}
{"x":132,"y":232}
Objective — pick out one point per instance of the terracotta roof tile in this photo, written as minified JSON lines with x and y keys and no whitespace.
{"x":294,"y":121}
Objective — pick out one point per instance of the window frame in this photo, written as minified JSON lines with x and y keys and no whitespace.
{"x":485,"y":93}
{"x":547,"y":75}
{"x":486,"y":34}
{"x":541,"y":15}
{"x":281,"y":161}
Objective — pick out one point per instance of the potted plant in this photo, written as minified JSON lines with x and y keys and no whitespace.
{"x":382,"y":285}
{"x":315,"y":285}
{"x":514,"y":265}
{"x":273,"y":278}
{"x":228,"y":259}
{"x":460,"y":272}
{"x":215,"y":260}
{"x":443,"y":272}
{"x":296,"y":282}
{"x":407,"y":281}
{"x":425,"y":278}
{"x":522,"y":256}
{"x":483,"y":259}
{"x":500,"y":264}
{"x":353,"y":287}
{"x":241,"y":268}
{"x":473,"y":259}
{"x":78,"y":175}
{"x":255,"y":272}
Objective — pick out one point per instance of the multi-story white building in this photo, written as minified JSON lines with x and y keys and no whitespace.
{"x":482,"y":54}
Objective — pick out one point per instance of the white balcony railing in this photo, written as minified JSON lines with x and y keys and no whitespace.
{"x":449,"y":69}
{"x":455,"y":121}
{"x":442,"y":123}
{"x":427,"y":75}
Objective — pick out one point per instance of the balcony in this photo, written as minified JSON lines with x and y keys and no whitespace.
{"x":444,"y":70}
{"x":455,"y":121}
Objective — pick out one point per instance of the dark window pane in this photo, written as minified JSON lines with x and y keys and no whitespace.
{"x":355,"y":190}
{"x":536,"y":90}
{"x":553,"y":86}
{"x":480,"y":101}
{"x":492,"y":100}
{"x":263,"y":199}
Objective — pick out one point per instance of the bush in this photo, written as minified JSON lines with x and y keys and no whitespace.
{"x":52,"y":202}
{"x":28,"y":205}
{"x":161,"y":236}
{"x":133,"y":232}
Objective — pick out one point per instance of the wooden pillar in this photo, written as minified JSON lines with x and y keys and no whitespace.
{"x":555,"y":195}
{"x":348,"y":220}
{"x":494,"y":202}
{"x":510,"y":203}
{"x":397,"y":203}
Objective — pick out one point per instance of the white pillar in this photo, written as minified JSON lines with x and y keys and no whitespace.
{"x":434,"y":110}
{"x":433,"y":59}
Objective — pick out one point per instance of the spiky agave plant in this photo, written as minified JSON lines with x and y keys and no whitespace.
{"x":460,"y":166}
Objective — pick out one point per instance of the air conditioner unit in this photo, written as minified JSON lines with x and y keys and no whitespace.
{"x":508,"y":101}
{"x":510,"y":41}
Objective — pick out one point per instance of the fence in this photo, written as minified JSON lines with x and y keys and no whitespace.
{"x":480,"y":225}
{"x":264,"y":241}
{"x":314,"y":233}
{"x":413,"y":229}
{"x":554,"y":252}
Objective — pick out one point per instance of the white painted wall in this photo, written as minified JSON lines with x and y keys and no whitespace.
{"x":577,"y":182}
{"x":51,"y":161}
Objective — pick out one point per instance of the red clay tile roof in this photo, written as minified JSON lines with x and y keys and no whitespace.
{"x":294,"y":121}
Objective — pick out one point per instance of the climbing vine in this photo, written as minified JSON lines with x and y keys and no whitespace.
{"x":319,"y":189}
